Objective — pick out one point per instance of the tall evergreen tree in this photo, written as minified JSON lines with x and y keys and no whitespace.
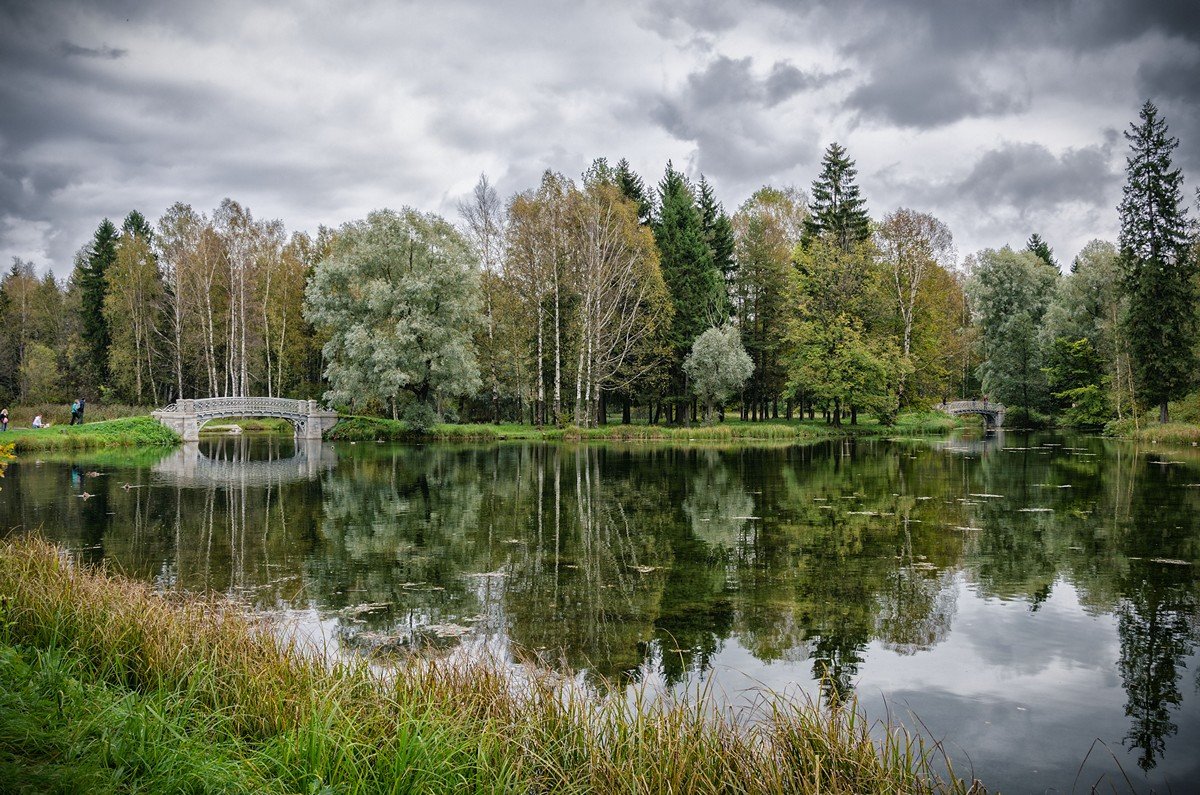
{"x":718,"y":232}
{"x":837,"y":210}
{"x":1035,"y":245}
{"x":1158,"y":265}
{"x":135,"y":224}
{"x":696,"y":288}
{"x":93,"y":288}
{"x":634,"y":189}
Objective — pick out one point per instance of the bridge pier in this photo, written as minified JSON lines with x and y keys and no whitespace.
{"x":187,"y":416}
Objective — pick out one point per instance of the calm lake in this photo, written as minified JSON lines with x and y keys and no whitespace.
{"x":1023,"y":596}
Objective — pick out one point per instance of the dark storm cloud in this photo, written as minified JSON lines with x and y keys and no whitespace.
{"x":928,"y":94}
{"x":726,"y":109}
{"x":1028,"y":175}
{"x":314,"y":115}
{"x":103,"y":52}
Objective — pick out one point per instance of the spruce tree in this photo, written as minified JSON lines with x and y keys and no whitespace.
{"x":1041,"y":248}
{"x":836,"y":209}
{"x":93,"y":287}
{"x":718,"y":234}
{"x":634,"y":189}
{"x":136,"y":225}
{"x":696,"y":288}
{"x":1158,"y":266}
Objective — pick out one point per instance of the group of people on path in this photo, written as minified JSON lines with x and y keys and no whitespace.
{"x":76,"y":416}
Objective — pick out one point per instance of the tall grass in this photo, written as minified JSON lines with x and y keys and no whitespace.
{"x":203,"y":692}
{"x":129,"y":432}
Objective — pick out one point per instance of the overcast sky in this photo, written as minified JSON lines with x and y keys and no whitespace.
{"x":1001,"y":118}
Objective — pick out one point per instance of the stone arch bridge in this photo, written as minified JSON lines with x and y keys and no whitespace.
{"x":992,"y":413}
{"x":186,"y":417}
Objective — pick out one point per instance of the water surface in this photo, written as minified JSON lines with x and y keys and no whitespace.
{"x":1024,"y":596}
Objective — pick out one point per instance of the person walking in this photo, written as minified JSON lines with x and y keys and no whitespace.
{"x":75,"y":411}
{"x":82,"y":406}
{"x":37,"y":421}
{"x":4,"y":419}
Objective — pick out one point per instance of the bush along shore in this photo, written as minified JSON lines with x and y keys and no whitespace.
{"x":107,"y":686}
{"x":370,"y":429}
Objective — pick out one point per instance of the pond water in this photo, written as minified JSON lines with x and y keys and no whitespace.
{"x":1023,"y":596}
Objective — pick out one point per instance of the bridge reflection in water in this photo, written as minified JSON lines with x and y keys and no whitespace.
{"x":228,"y":462}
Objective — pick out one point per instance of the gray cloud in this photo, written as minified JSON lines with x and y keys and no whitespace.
{"x":1028,"y":175}
{"x":317,"y":116}
{"x":728,"y":111}
{"x":104,"y":52}
{"x":928,"y":94}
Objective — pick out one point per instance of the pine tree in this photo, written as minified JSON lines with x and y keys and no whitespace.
{"x":634,"y":189}
{"x":93,"y":288}
{"x":1158,"y":267}
{"x":1041,"y":248}
{"x":696,"y":288}
{"x":837,"y":209}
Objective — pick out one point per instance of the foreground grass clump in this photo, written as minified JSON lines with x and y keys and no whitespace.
{"x":189,"y":696}
{"x":129,"y":432}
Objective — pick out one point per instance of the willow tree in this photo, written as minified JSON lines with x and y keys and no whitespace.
{"x":399,"y":298}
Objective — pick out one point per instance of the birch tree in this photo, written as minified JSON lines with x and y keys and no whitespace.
{"x":911,"y":245}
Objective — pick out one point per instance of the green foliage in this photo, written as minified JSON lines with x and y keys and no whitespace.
{"x":717,"y":366}
{"x":718,"y":231}
{"x":1041,"y":249}
{"x":101,"y":256}
{"x":39,"y":374}
{"x":634,"y":189}
{"x":1158,"y":265}
{"x":692,"y":279}
{"x":767,"y":229}
{"x":837,"y":210}
{"x":1087,"y":406}
{"x":1010,"y":292}
{"x":398,"y":297}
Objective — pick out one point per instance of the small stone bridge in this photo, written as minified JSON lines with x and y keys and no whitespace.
{"x":992,"y":413}
{"x":186,"y":417}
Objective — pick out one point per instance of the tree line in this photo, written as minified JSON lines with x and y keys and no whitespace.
{"x":580,"y":297}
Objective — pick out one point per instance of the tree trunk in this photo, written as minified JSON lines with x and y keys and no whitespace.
{"x":625,"y":418}
{"x":854,"y":415}
{"x":1162,"y":412}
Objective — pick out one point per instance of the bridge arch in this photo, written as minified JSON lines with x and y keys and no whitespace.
{"x":992,"y":413}
{"x":186,"y":417}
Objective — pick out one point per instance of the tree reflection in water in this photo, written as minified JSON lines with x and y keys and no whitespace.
{"x":631,"y":562}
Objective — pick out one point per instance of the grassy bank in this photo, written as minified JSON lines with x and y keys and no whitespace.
{"x":130,"y":432}
{"x":1184,"y":427}
{"x":369,"y":429}
{"x":105,"y":686}
{"x":21,"y":416}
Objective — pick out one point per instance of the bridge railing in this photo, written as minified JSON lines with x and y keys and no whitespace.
{"x":970,"y":405}
{"x":250,"y":405}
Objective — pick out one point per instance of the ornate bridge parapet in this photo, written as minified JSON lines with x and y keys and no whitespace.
{"x":992,"y":413}
{"x":186,"y":417}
